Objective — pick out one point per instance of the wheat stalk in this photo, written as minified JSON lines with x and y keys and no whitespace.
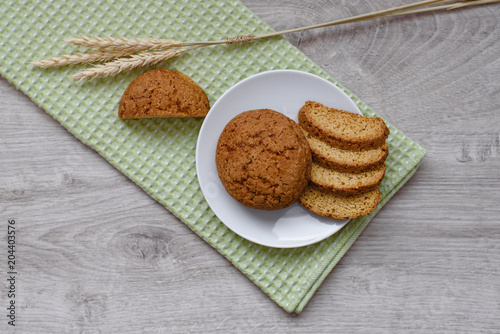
{"x":130,"y":45}
{"x":129,"y":53}
{"x":127,"y":64}
{"x":80,"y":58}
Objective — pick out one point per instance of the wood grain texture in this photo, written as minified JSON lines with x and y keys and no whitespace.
{"x":98,"y":255}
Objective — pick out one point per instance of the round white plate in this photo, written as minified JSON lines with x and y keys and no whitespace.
{"x":284,"y":91}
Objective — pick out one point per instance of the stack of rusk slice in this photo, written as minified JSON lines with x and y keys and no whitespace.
{"x":349,"y":152}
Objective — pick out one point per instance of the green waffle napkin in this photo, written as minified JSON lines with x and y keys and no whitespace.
{"x":159,"y":154}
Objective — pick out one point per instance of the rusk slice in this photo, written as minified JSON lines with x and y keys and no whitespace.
{"x":347,"y":183}
{"x":344,"y":160}
{"x":330,"y":204}
{"x":342,"y":129}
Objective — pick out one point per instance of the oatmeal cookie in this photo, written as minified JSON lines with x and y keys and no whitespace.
{"x":163,"y":93}
{"x":263,"y":159}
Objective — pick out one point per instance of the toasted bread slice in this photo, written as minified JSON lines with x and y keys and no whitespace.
{"x":344,"y":182}
{"x":344,"y":160}
{"x":343,"y":129}
{"x":330,"y":204}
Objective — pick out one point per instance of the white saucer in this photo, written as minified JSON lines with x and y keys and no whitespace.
{"x":284,"y":91}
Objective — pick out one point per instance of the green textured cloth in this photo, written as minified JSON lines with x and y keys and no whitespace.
{"x":159,"y":154}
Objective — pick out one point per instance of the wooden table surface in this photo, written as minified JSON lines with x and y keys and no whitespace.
{"x":95,"y":254}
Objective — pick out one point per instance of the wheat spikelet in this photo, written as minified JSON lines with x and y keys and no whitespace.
{"x":79,"y":58}
{"x":127,"y":64}
{"x":240,"y":39}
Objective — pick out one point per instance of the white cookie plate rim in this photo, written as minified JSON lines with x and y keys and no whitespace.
{"x":284,"y":91}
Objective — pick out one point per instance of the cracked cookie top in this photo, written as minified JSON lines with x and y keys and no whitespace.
{"x":263,"y":159}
